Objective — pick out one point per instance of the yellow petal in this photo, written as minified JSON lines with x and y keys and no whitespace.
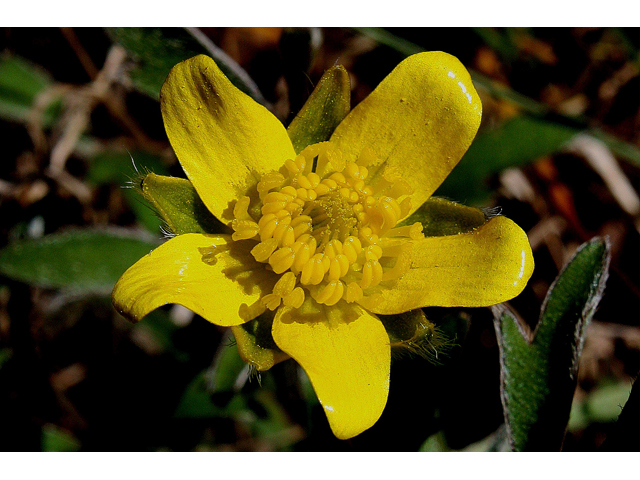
{"x":419,"y":121}
{"x":489,"y":265}
{"x":188,"y":270}
{"x":346,"y":354}
{"x":224,"y":140}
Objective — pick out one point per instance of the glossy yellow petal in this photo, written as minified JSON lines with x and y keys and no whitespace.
{"x":224,"y":140}
{"x":346,"y":354}
{"x":489,"y":265}
{"x":419,"y":122}
{"x":208,"y":274}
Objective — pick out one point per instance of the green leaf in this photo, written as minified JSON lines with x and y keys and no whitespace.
{"x":514,"y":143}
{"x":178,"y":204}
{"x":197,"y":402}
{"x":602,"y":405}
{"x":499,"y":42}
{"x":122,"y":167}
{"x":605,"y":404}
{"x":441,"y":217}
{"x":435,"y":443}
{"x":327,"y":106}
{"x":157,"y":50}
{"x":227,"y":367}
{"x":20,"y":84}
{"x":84,"y":260}
{"x":5,"y":356}
{"x":624,"y":435}
{"x":539,"y":368}
{"x":54,"y":439}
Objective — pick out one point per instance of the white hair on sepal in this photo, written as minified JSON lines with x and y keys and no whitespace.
{"x":255,"y":373}
{"x":166,"y":232}
{"x":490,"y":212}
{"x":428,"y":342}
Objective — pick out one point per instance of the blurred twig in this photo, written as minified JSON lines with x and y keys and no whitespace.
{"x":80,"y":51}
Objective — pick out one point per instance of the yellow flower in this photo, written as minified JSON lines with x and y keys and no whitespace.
{"x":318,"y":236}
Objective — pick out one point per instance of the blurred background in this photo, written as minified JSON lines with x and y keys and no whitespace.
{"x":558,"y":152}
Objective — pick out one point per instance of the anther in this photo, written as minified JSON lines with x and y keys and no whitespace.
{"x":282,"y":259}
{"x":262,"y":251}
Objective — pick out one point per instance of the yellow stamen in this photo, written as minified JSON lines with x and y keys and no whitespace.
{"x":327,"y":231}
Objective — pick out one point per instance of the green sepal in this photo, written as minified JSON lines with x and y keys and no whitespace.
{"x":255,"y":343}
{"x":440,"y":217}
{"x":539,"y":369}
{"x":178,"y":204}
{"x":412,"y":333}
{"x":327,"y":106}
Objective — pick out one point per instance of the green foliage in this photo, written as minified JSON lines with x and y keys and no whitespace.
{"x":227,"y":367}
{"x":121,"y":168}
{"x":20,"y":84}
{"x":257,"y":410}
{"x":539,"y":368}
{"x":54,"y":439}
{"x":5,"y":356}
{"x":329,"y":103}
{"x":514,"y":143}
{"x":603,"y":404}
{"x":84,"y":260}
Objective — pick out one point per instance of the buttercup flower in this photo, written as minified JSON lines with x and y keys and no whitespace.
{"x":323,"y":240}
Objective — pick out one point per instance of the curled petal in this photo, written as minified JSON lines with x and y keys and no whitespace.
{"x":208,"y":274}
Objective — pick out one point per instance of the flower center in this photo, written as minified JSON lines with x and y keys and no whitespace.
{"x":325,"y":230}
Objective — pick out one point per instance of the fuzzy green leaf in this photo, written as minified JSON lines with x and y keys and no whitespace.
{"x":178,"y":204}
{"x":327,"y":106}
{"x":539,"y":368}
{"x":84,"y":260}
